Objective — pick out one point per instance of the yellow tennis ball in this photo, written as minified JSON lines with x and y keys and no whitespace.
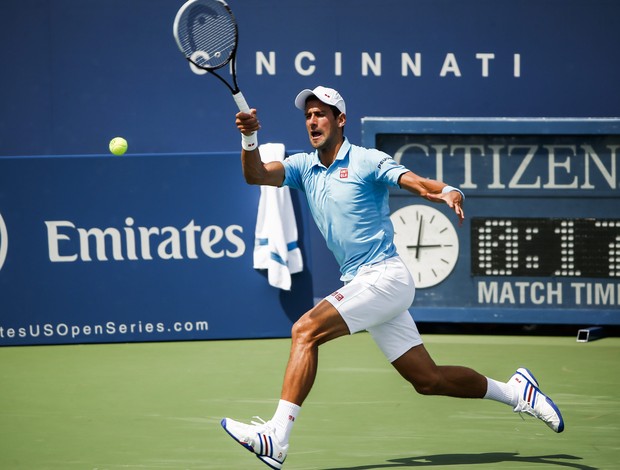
{"x":118,"y":146}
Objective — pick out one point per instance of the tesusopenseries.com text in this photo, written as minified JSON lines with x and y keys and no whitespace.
{"x":110,"y":328}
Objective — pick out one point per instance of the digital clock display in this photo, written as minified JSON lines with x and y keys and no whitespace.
{"x":545,"y":247}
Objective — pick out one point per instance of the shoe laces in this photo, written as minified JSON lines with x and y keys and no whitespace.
{"x":267,"y":427}
{"x":543,"y":413}
{"x":262,"y":424}
{"x":524,"y":407}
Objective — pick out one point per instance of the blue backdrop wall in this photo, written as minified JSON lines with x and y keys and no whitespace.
{"x":77,"y":72}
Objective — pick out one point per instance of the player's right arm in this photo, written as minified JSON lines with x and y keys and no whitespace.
{"x":254,"y":170}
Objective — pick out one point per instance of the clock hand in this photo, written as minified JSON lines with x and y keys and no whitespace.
{"x":425,"y":246}
{"x":417,"y":247}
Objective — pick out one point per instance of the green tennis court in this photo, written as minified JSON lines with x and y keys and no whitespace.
{"x":158,"y":406}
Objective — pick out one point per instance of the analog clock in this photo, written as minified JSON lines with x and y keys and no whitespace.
{"x":427,"y":242}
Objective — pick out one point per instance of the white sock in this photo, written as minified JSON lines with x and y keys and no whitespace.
{"x":283,"y":420}
{"x":502,"y":392}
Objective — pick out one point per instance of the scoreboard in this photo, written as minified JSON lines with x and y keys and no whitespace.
{"x":545,"y":247}
{"x":541,"y":238}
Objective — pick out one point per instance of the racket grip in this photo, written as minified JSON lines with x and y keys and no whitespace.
{"x":242,"y":104}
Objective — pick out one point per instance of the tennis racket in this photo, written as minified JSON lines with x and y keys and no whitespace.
{"x":206,"y":33}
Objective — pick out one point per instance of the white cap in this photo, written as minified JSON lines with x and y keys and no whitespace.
{"x":326,"y":95}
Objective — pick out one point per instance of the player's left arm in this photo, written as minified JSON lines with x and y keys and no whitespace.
{"x":434,"y":191}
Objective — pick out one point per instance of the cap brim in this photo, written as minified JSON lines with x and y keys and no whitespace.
{"x":300,"y":100}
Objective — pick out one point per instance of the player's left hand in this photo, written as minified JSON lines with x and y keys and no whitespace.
{"x":454,"y":199}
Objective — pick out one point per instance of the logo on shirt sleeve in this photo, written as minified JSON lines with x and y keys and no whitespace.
{"x":338,"y":296}
{"x":385,"y":159}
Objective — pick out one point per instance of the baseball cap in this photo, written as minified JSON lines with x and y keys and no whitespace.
{"x":326,"y":95}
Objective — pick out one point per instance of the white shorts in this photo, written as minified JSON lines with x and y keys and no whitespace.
{"x":377,"y":300}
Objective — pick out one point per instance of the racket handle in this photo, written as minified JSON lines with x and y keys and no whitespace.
{"x":242,"y":104}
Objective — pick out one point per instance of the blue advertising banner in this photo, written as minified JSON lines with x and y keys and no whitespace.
{"x":136,"y":248}
{"x":77,"y":73}
{"x":541,"y":239}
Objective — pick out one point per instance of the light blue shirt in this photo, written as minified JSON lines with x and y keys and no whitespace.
{"x":349,"y":202}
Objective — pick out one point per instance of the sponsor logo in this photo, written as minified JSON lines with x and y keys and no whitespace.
{"x":385,"y":159}
{"x":338,"y":296}
{"x":4,"y":241}
{"x":67,"y":242}
{"x":344,"y":173}
{"x":518,"y":164}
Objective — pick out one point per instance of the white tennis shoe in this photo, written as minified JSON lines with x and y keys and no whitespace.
{"x":258,"y":438}
{"x":533,"y":402}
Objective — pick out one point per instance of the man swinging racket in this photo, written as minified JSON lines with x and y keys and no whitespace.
{"x":347,"y":191}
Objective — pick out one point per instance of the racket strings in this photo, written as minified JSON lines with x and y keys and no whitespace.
{"x":208,"y":35}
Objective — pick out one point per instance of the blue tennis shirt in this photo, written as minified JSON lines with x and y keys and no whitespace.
{"x":349,"y":202}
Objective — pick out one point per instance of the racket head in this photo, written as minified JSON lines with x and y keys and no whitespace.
{"x":206,"y":33}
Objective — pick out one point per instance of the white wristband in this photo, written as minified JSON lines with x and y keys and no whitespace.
{"x":447,"y":189}
{"x":249,"y":142}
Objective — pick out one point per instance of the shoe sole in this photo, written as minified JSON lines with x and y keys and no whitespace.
{"x":270,"y":462}
{"x":557,"y":410}
{"x":245,"y":446}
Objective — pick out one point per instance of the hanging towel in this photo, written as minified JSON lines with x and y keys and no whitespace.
{"x":275,"y":247}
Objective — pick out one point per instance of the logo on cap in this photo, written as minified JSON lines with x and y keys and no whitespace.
{"x":4,"y":241}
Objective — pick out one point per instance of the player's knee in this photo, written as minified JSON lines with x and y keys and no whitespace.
{"x":428,"y":385}
{"x":302,"y":331}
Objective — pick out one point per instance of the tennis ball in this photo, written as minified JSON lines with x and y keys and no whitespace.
{"x":118,"y":146}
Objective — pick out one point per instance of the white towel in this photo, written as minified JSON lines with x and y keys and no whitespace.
{"x":275,"y":247}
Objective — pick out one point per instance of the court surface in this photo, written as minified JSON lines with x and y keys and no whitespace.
{"x":159,"y":405}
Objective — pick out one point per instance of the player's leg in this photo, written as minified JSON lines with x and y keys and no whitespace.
{"x":376,"y":294}
{"x":521,"y":392}
{"x":317,"y":326}
{"x":269,"y":440}
{"x":400,"y":342}
{"x":417,"y":367}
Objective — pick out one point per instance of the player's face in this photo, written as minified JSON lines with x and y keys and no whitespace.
{"x":324,"y":129}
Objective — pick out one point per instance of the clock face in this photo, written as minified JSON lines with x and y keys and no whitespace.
{"x":427,"y":242}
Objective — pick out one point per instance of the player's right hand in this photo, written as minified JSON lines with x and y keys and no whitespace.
{"x":247,"y":123}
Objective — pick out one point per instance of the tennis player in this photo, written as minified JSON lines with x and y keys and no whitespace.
{"x":347,"y":191}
